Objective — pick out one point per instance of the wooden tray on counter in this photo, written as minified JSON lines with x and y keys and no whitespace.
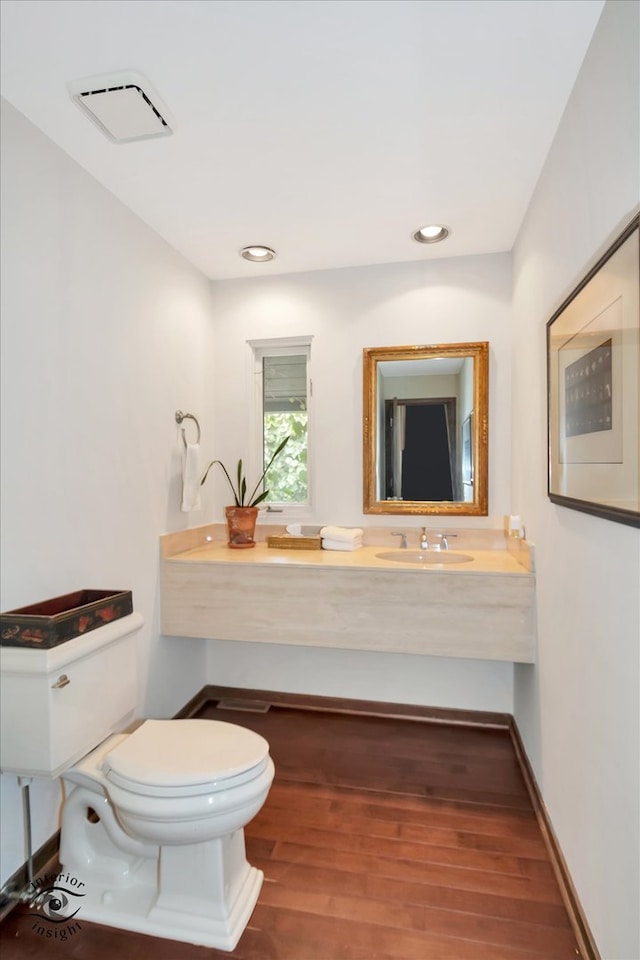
{"x":295,"y":543}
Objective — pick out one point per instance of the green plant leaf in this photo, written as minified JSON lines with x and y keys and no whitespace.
{"x":263,"y":496}
{"x":240,"y":491}
{"x":279,"y":450}
{"x":229,"y":481}
{"x":239,"y":496}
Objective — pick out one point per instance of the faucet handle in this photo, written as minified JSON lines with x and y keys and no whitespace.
{"x":444,"y":540}
{"x":403,"y":540}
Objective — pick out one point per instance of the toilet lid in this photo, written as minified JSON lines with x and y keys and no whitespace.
{"x":172,"y":753}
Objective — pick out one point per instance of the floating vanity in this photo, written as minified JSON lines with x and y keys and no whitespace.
{"x":478,"y":608}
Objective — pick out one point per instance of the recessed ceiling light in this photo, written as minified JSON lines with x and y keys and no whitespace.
{"x":431,"y":234}
{"x":258,"y":253}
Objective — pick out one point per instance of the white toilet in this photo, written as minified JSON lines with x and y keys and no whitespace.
{"x":153,"y":822}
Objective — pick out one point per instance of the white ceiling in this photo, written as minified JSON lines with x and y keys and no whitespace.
{"x":329,"y":130}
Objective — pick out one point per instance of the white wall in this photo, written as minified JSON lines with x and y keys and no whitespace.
{"x":385,"y":677}
{"x":578,"y":707}
{"x":443,"y":301}
{"x":104,"y":328}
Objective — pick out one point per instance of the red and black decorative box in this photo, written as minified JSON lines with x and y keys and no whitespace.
{"x":51,"y":622}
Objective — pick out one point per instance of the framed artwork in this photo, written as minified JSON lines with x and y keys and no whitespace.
{"x":593,"y":370}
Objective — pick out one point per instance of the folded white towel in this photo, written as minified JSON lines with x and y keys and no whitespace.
{"x":342,"y":534}
{"x":329,"y":544}
{"x":190,"y":477}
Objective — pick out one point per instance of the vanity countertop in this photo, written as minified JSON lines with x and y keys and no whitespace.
{"x":483,"y":608}
{"x":485,"y":562}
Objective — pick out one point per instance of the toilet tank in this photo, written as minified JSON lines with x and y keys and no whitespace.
{"x":58,"y":704}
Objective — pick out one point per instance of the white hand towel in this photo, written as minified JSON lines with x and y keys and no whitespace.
{"x":328,"y":544}
{"x":190,"y":477}
{"x":342,"y":534}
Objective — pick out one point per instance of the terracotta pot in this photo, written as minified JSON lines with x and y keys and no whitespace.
{"x":241,"y":526}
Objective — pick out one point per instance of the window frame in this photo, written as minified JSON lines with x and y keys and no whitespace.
{"x":279,"y":512}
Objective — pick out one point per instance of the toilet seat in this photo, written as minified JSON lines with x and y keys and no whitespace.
{"x":178,"y":758}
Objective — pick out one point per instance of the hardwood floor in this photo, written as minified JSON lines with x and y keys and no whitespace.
{"x":380,"y":838}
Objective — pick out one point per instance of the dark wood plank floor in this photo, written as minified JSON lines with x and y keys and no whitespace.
{"x":380,"y":838}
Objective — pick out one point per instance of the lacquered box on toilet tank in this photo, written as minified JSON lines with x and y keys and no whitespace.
{"x":51,"y":622}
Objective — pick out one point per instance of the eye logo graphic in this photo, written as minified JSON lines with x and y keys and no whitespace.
{"x":55,"y":901}
{"x":55,"y":905}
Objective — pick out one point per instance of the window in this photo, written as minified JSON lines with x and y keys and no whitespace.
{"x":283,"y":389}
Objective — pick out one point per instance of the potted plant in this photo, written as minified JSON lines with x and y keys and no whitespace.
{"x":242,"y":515}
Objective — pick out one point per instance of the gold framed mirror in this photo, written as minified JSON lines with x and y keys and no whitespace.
{"x":425,"y":429}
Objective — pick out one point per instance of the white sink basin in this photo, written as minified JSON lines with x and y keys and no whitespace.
{"x":424,"y":557}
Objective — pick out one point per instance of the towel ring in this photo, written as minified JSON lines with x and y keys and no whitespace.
{"x":180,"y":416}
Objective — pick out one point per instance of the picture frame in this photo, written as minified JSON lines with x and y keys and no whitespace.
{"x":593,"y":380}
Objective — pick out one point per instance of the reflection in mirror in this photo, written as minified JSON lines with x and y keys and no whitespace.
{"x":425,"y":429}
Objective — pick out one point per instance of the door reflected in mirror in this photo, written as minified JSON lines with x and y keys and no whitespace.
{"x":425,"y":429}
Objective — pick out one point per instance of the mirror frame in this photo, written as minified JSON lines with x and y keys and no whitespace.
{"x":372,"y":356}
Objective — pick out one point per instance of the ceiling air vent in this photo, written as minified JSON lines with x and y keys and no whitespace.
{"x":124,"y":105}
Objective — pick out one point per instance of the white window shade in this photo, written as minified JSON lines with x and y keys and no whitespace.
{"x":284,"y":383}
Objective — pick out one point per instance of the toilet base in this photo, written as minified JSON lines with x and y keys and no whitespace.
{"x":201,"y":892}
{"x":135,"y":908}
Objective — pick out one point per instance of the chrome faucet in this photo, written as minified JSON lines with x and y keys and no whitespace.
{"x":424,"y":543}
{"x":403,"y":540}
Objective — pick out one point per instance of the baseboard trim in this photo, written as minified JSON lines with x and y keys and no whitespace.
{"x":577,"y":918}
{"x":43,"y":856}
{"x":373,"y":708}
{"x":194,"y":705}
